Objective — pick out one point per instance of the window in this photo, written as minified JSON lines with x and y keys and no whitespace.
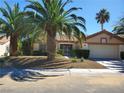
{"x":36,"y":46}
{"x":66,"y":48}
{"x":103,"y":40}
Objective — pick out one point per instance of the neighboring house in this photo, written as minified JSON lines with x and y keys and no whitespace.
{"x":4,"y":46}
{"x":122,"y":36}
{"x":104,"y":44}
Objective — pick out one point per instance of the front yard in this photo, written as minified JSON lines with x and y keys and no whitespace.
{"x":41,"y":62}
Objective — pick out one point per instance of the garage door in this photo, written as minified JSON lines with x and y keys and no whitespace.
{"x":104,"y":51}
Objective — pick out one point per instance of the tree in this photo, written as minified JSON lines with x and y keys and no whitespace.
{"x":12,"y":25}
{"x":102,"y":17}
{"x":16,"y":24}
{"x":119,"y":29}
{"x":53,"y":19}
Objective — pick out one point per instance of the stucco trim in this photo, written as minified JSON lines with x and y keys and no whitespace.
{"x":105,"y":43}
{"x":106,"y":32}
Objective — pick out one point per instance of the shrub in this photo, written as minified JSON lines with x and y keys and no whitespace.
{"x":73,"y":53}
{"x":26,"y":48}
{"x":82,"y":53}
{"x":2,"y":62}
{"x":60,"y":51}
{"x":122,"y":55}
{"x":74,"y":60}
{"x":39,"y":53}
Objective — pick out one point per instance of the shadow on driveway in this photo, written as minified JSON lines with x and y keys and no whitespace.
{"x":22,"y":75}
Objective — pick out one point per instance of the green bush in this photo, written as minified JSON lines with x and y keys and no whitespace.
{"x":74,"y":60}
{"x":122,"y":55}
{"x":39,"y":53}
{"x":2,"y":61}
{"x":73,"y":53}
{"x":26,"y":48}
{"x":82,"y":53}
{"x":60,"y":51}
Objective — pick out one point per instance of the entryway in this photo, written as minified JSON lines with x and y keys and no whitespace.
{"x":66,"y":48}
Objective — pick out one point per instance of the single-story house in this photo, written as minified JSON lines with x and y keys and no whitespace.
{"x":4,"y":46}
{"x":104,"y":44}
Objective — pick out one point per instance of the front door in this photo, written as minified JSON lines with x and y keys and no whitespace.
{"x":66,"y":48}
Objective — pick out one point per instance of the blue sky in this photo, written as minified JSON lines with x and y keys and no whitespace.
{"x":89,"y":10}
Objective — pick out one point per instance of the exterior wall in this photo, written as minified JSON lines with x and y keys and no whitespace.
{"x":4,"y":49}
{"x":121,"y":49}
{"x":59,"y":43}
{"x":36,"y":46}
{"x":97,"y":39}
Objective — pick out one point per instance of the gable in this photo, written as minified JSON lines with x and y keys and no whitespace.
{"x":108,"y":37}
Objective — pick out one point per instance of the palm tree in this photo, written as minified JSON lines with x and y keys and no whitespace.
{"x":15,"y":24}
{"x":11,"y":26}
{"x":102,"y":17}
{"x":119,"y":29}
{"x":53,"y":19}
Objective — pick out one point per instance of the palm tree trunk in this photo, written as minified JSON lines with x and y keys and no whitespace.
{"x":51,"y":44}
{"x":102,"y":27}
{"x":13,"y":44}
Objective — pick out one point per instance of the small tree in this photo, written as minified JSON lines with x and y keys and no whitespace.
{"x":13,"y":24}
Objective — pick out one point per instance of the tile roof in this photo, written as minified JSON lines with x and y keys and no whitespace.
{"x":107,"y":32}
{"x":3,"y":40}
{"x":65,"y":38}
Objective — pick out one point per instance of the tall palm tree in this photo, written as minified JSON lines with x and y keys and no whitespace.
{"x":14,"y":24}
{"x":53,"y":19}
{"x":102,"y":17}
{"x":119,"y":29}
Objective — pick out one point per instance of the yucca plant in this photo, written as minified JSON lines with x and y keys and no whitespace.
{"x":53,"y":18}
{"x":102,"y":17}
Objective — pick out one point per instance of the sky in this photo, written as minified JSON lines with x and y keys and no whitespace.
{"x":89,"y":10}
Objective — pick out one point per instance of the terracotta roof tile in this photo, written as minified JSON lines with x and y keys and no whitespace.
{"x":65,"y":38}
{"x":4,"y":40}
{"x":107,"y":32}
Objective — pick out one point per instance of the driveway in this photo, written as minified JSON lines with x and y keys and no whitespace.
{"x":114,"y":65}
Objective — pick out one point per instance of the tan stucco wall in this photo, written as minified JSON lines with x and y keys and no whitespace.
{"x":74,"y":44}
{"x":121,"y":47}
{"x":36,"y":46}
{"x":110,"y":39}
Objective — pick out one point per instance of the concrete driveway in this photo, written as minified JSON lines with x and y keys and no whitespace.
{"x":114,"y":65}
{"x":64,"y":84}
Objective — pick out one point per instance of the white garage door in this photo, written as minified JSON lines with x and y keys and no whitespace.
{"x":104,"y":51}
